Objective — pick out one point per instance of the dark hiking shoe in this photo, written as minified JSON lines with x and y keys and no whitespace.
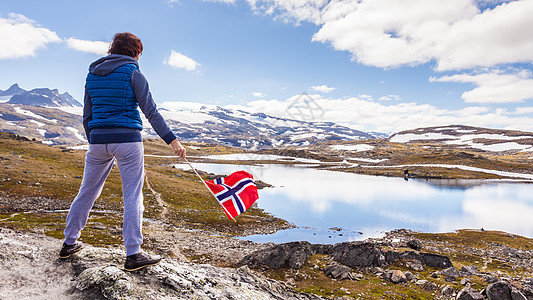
{"x":67,"y":250}
{"x":140,"y":260}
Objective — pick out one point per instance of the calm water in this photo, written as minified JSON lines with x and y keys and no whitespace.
{"x":321,"y":202}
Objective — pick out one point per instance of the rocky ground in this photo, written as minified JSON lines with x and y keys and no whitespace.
{"x":31,"y":268}
{"x":197,"y":265}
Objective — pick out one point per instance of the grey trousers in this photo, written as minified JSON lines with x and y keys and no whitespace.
{"x":98,"y":163}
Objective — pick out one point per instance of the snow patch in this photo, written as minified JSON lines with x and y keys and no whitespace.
{"x":79,"y":147}
{"x":76,"y":133}
{"x":37,"y":123}
{"x":33,"y":115}
{"x":356,"y":148}
{"x":76,"y":110}
{"x":369,"y":160}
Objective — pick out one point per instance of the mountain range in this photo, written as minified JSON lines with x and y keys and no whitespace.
{"x":42,"y":97}
{"x":55,"y":119}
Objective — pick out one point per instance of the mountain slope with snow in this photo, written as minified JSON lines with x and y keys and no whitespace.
{"x":469,"y":137}
{"x":207,"y":124}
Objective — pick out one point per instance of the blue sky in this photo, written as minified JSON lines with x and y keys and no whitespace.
{"x":375,"y":65}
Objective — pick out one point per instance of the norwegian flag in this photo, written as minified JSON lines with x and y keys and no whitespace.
{"x":236,"y":193}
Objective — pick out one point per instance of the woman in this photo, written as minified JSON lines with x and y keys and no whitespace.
{"x":114,"y":89}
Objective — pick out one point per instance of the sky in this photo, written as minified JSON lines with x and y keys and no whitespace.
{"x":373,"y":65}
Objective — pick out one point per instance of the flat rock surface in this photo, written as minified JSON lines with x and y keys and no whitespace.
{"x":30,"y":268}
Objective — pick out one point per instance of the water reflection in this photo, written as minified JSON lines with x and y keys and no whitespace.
{"x":318,"y":200}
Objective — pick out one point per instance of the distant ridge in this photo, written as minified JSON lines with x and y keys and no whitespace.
{"x":486,"y":139}
{"x":12,"y":90}
{"x":44,"y":97}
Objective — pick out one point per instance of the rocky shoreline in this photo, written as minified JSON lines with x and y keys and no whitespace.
{"x":199,"y":265}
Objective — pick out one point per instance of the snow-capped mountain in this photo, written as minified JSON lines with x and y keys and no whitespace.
{"x":37,"y":97}
{"x":12,"y":90}
{"x":494,"y":140}
{"x":208,"y":124}
{"x":45,"y":98}
{"x":214,"y":124}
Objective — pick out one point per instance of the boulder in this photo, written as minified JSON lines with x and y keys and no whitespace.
{"x":410,"y":276}
{"x":292,"y":255}
{"x":500,"y":290}
{"x":447,"y":291}
{"x":110,"y":281}
{"x":415,"y":265}
{"x":428,"y":259}
{"x":517,"y":295}
{"x":394,"y":276}
{"x":358,"y":254}
{"x":436,"y":260}
{"x":469,"y":293}
{"x":470,"y":270}
{"x":338,"y":271}
{"x":451,"y":271}
{"x":414,"y":244}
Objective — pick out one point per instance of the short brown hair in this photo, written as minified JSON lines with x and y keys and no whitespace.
{"x":126,"y":43}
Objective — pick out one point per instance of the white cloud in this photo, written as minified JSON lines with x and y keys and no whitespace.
{"x":22,"y":37}
{"x":258,"y":94}
{"x":178,"y":60}
{"x":369,"y":115}
{"x":290,"y":10}
{"x":221,"y":1}
{"x":523,"y":110}
{"x":96,"y":47}
{"x":494,"y":86}
{"x":390,"y":33}
{"x":390,"y":98}
{"x":322,"y":88}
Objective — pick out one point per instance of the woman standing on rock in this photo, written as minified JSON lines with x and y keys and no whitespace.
{"x":114,"y":89}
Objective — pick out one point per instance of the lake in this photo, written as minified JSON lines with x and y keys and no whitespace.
{"x":330,"y":207}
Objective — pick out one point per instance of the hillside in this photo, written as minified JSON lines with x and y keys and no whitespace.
{"x":451,"y":152}
{"x":35,"y":177}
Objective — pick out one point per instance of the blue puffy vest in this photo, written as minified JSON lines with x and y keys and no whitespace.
{"x":113,"y":100}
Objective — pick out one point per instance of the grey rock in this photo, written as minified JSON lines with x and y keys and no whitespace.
{"x":447,"y":291}
{"x":428,"y":259}
{"x":450,"y":278}
{"x":469,"y":293}
{"x":470,"y":270}
{"x":500,"y":290}
{"x":292,"y":254}
{"x":394,"y":276}
{"x":414,"y":244}
{"x":421,"y":282}
{"x":517,"y":295}
{"x":451,"y":271}
{"x":527,"y":290}
{"x":489,"y":278}
{"x":410,"y":276}
{"x":358,"y":254}
{"x":111,"y":281}
{"x":415,"y":265}
{"x":436,"y":260}
{"x":338,"y":271}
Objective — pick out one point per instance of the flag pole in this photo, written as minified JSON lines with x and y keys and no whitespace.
{"x":210,"y":191}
